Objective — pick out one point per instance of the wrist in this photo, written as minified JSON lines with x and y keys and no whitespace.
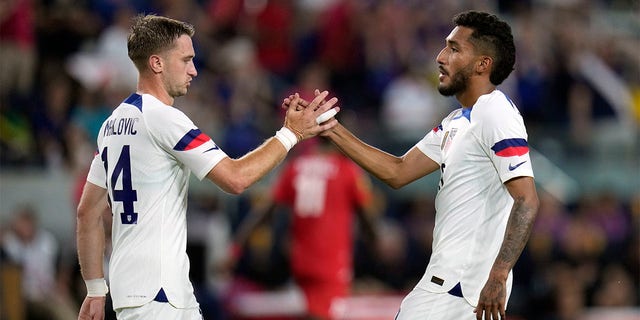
{"x":96,"y":287}
{"x":286,"y":137}
{"x":499,"y":274}
{"x":299,"y":135}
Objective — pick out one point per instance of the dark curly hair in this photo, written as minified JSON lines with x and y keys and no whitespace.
{"x":152,"y":34}
{"x":491,"y":36}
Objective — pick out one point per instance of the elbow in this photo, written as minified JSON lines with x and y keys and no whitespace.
{"x":395,"y":185}
{"x":394,"y":181}
{"x":82,"y":213}
{"x":231,"y":177}
{"x":397,"y":173}
{"x":535,"y":205}
{"x":234,"y":190}
{"x":236,"y":187}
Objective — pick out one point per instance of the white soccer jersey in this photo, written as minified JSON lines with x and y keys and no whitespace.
{"x":478,"y":149}
{"x":146,"y":152}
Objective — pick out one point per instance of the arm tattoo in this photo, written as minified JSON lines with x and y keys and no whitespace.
{"x":517,"y":233}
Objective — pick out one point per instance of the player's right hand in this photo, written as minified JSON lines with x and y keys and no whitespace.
{"x":92,"y":308}
{"x":301,"y":115}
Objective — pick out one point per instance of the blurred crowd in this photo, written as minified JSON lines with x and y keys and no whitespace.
{"x":64,"y":67}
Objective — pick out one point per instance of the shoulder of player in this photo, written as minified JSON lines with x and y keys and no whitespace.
{"x":452,"y":115}
{"x":153,"y":108}
{"x":493,"y":106}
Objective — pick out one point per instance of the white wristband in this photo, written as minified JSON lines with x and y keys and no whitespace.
{"x":287,"y":138}
{"x":96,"y":287}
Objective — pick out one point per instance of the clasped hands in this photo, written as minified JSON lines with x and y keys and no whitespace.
{"x":301,"y":114}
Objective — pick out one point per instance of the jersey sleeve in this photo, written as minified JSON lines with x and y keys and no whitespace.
{"x":180,"y":137}
{"x":504,"y":137}
{"x":430,"y":144}
{"x":97,"y":174}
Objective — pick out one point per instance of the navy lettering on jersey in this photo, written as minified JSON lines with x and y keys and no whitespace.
{"x":442,"y":166}
{"x":127,"y":195}
{"x":121,"y":126}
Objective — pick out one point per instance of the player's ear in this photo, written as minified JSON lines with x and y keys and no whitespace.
{"x":484,"y":64}
{"x":155,"y":63}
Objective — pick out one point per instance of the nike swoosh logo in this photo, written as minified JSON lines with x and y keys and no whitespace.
{"x":214,"y":148}
{"x":511,"y":168}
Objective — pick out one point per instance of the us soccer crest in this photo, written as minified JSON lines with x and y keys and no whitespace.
{"x":447,"y":139}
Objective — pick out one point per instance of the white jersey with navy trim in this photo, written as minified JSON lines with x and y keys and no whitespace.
{"x":146,"y":152}
{"x":478,"y":149}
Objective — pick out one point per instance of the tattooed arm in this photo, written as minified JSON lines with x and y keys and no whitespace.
{"x":525,"y":207}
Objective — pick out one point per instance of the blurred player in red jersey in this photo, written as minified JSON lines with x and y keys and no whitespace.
{"x":323,"y":189}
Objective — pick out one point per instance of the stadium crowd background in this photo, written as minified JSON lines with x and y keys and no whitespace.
{"x":63,"y":67}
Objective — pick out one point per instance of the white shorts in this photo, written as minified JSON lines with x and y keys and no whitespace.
{"x":155,"y":310}
{"x":422,"y":304}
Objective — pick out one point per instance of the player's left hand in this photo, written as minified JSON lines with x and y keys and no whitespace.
{"x":302,"y":103}
{"x":492,"y":301}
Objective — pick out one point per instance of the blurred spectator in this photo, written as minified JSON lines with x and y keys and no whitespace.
{"x":550,"y":226}
{"x":17,"y":145}
{"x":17,"y":49}
{"x":51,"y":118}
{"x":384,"y":269}
{"x":271,"y":26}
{"x":104,"y":62}
{"x":411,"y":106}
{"x":418,"y":220}
{"x":374,"y":55}
{"x":323,"y":191}
{"x":37,"y":252}
{"x":310,"y":77}
{"x":82,"y":131}
{"x":616,"y":288}
{"x":339,"y":48}
{"x":569,"y":300}
{"x":207,"y":242}
{"x":248,"y":98}
{"x":224,"y":16}
{"x":631,"y":259}
{"x":533,"y":71}
{"x":584,"y":239}
{"x":18,"y":64}
{"x":392,"y":40}
{"x":611,"y":215}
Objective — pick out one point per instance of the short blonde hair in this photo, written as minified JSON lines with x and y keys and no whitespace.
{"x":152,"y":34}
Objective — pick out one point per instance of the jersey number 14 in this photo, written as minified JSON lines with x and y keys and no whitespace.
{"x":126,"y":195}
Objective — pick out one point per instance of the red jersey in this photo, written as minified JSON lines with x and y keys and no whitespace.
{"x":323,"y":191}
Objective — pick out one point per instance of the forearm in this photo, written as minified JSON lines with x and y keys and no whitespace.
{"x":236,"y":175}
{"x":91,"y":245}
{"x":90,"y":231}
{"x":257,"y":163}
{"x":377,"y":162}
{"x":517,"y":233}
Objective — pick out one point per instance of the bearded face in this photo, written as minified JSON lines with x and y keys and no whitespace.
{"x":457,"y":83}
